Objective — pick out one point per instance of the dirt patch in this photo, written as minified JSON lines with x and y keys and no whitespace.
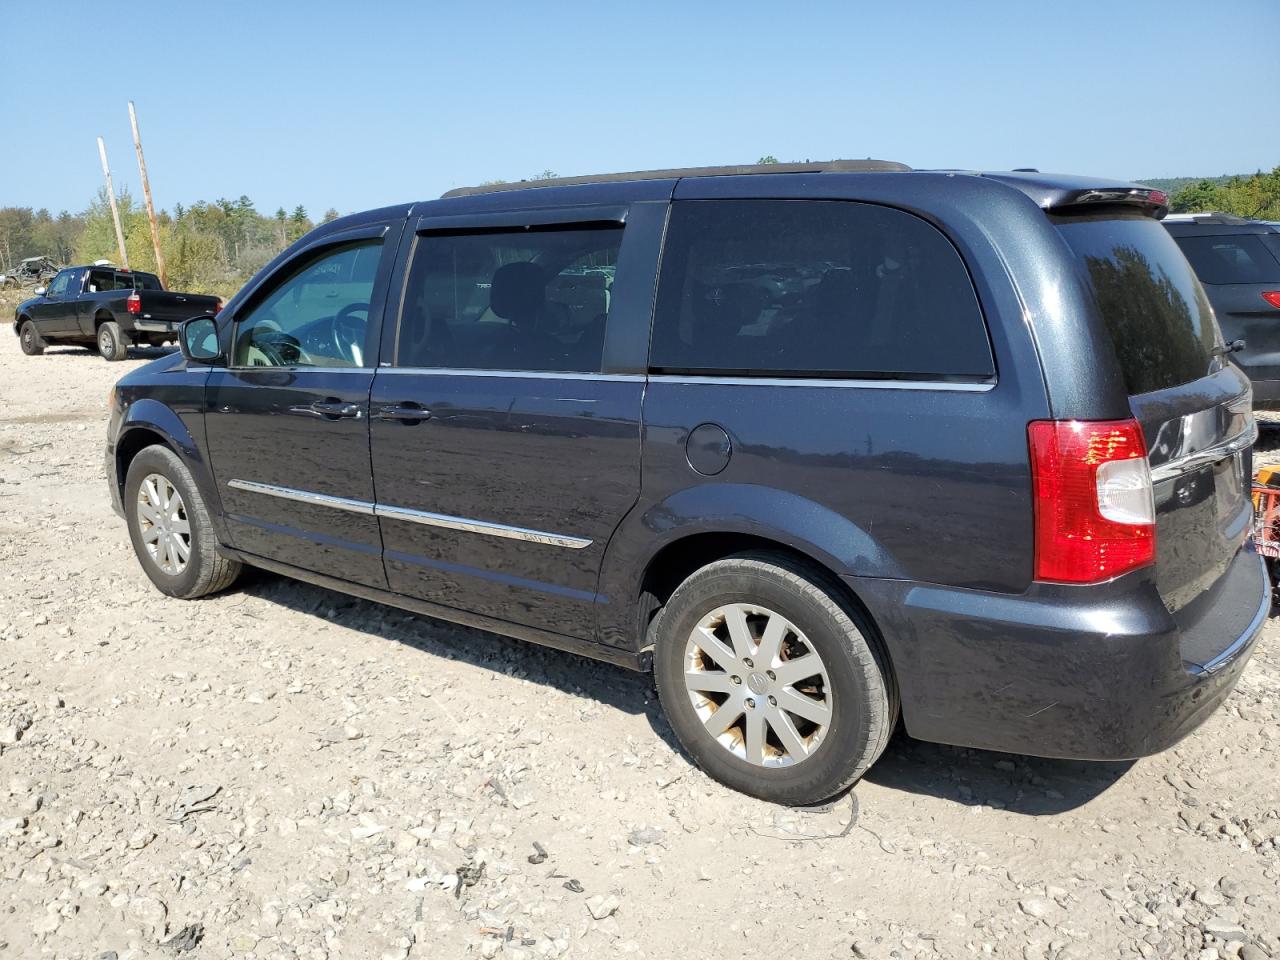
{"x":285,"y":772}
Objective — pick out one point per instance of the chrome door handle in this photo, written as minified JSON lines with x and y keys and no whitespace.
{"x":337,"y":409}
{"x":404,"y":412}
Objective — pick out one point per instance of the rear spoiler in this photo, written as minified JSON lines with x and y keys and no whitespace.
{"x":1153,"y":202}
{"x":1060,"y":193}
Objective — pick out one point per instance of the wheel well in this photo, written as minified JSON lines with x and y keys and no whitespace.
{"x":101,"y":318}
{"x":130,"y":445}
{"x":675,"y":562}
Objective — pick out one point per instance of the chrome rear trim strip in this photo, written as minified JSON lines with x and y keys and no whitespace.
{"x":303,"y":496}
{"x":1202,"y":458}
{"x":412,"y":516}
{"x":955,"y":386}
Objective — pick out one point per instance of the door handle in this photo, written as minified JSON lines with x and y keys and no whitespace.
{"x":336,"y":409}
{"x":404,"y":412}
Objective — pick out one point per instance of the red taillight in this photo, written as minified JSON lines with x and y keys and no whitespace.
{"x":1272,"y":297}
{"x":134,"y":303}
{"x":1094,"y":508}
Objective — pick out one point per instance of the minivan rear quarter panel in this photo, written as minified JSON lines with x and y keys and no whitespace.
{"x":918,"y":481}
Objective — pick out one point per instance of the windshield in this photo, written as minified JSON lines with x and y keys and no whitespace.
{"x":1154,"y":307}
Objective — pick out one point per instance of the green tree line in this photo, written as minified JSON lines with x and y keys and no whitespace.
{"x":1256,"y":196}
{"x":208,"y":247}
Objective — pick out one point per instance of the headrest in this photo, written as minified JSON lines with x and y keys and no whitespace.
{"x":519,"y":291}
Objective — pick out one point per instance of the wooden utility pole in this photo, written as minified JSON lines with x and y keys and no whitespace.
{"x":115,"y":211}
{"x":146,"y":193}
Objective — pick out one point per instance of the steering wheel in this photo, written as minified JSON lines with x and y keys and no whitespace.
{"x":348,"y":332}
{"x":277,"y":348}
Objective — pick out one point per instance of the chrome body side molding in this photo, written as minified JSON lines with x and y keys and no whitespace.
{"x":412,"y":516}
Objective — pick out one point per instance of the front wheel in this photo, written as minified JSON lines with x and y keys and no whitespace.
{"x":32,"y":343}
{"x":772,"y":680}
{"x":112,"y":343}
{"x":170,"y":527}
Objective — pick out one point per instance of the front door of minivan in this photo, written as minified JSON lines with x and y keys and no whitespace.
{"x":505,"y":425}
{"x":287,"y":418}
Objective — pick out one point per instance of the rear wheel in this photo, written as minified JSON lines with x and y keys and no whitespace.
{"x":32,"y":343}
{"x":170,"y":528}
{"x":112,"y":343}
{"x":772,"y":681}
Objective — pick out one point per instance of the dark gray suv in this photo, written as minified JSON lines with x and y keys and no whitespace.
{"x":825,"y":446}
{"x":1238,"y":263}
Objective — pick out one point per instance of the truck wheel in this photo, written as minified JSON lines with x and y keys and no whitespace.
{"x":32,"y":342}
{"x":772,"y":681}
{"x":170,"y":528}
{"x":112,"y":343}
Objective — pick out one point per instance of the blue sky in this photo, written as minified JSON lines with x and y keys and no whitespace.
{"x":355,"y":105}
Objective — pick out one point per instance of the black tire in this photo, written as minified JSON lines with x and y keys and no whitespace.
{"x":206,"y":571}
{"x":29,"y":337}
{"x":112,"y":342}
{"x":861,"y":686}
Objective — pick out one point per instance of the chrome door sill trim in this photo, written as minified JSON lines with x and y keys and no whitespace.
{"x":413,"y":516}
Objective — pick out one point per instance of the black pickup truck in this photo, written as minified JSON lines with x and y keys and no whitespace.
{"x":106,"y":307}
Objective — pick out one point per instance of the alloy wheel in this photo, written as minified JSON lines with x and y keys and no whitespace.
{"x":163,"y":523}
{"x":759,"y":687}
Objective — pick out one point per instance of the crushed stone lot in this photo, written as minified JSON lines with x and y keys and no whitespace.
{"x":281,"y":771}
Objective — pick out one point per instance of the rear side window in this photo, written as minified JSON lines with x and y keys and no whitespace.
{"x":1154,"y":307}
{"x":528,"y":300}
{"x":1231,"y":259}
{"x":814,"y":288}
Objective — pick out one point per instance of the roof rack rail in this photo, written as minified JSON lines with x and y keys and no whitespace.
{"x":825,"y":166}
{"x":1210,"y":216}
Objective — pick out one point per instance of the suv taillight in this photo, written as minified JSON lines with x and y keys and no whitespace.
{"x":134,"y":303}
{"x":1272,"y":297}
{"x":1095,"y":510}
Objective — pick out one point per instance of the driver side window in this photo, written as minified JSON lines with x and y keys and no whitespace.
{"x":317,"y":316}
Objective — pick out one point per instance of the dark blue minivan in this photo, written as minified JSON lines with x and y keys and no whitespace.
{"x":825,"y":446}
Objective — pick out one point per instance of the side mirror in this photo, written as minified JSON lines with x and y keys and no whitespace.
{"x":40,"y":291}
{"x":198,"y":339}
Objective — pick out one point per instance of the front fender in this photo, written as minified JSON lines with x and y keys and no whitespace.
{"x":182,"y":431}
{"x":803,"y":525}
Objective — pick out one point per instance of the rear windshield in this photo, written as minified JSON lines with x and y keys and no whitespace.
{"x":137,"y":281}
{"x":1154,"y":307}
{"x":1242,"y":258}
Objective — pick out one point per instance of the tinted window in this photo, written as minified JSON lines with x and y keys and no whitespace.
{"x":1153,"y":305}
{"x":137,"y":281}
{"x":527,"y":300}
{"x":317,"y":316}
{"x":811,"y":288}
{"x":1231,"y":259}
{"x":101,"y":281}
{"x":59,"y":285}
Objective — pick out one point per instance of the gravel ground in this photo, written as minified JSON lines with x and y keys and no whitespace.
{"x":285,"y":772}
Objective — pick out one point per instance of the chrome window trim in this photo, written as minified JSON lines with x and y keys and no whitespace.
{"x":513,"y":374}
{"x":960,"y":387}
{"x":1201,"y":458}
{"x":304,"y":496}
{"x":691,"y":378}
{"x":425,"y":517}
{"x":300,"y":369}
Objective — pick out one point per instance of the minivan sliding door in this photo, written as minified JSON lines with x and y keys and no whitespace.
{"x":505,"y":421}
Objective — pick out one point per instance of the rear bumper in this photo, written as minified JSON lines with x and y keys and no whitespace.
{"x":155,"y":326}
{"x":1266,"y":394}
{"x":1093,"y":673}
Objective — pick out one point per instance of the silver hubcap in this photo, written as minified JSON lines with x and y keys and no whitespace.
{"x":758,"y":686}
{"x":162,"y":518}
